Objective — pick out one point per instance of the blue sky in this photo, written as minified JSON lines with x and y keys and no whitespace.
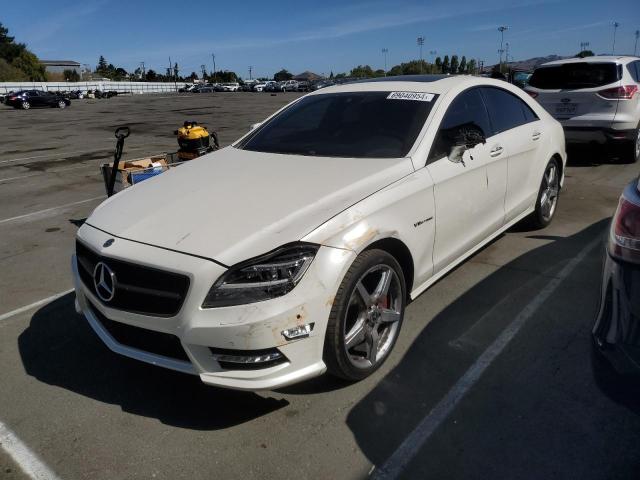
{"x":321,"y":36}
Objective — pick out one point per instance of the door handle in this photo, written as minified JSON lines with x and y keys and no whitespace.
{"x":536,"y":135}
{"x":496,"y":151}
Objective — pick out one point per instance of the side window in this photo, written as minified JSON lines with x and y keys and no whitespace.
{"x":466,"y":111}
{"x":505,"y":109}
{"x":636,"y":76}
{"x":529,"y":114}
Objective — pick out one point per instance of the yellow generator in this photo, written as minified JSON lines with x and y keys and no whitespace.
{"x":195,"y":140}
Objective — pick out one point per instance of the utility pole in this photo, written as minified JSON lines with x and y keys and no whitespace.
{"x":420,"y":42}
{"x":506,"y":56}
{"x":502,"y":29}
{"x":144,"y":72}
{"x":615,"y":28}
{"x":635,"y":47}
{"x":384,"y":52}
{"x":204,"y":72}
{"x":250,"y":69}
{"x":213,"y":57}
{"x":433,"y":54}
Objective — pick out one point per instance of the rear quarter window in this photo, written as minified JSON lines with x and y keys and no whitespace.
{"x":571,"y":76}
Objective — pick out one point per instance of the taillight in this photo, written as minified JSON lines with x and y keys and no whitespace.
{"x":624,"y":238}
{"x":533,"y":94}
{"x":625,"y":92}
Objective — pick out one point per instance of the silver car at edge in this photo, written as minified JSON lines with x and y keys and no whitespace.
{"x":596,"y":99}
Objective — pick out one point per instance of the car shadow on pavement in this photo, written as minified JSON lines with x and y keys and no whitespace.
{"x":60,"y":348}
{"x":593,"y":155}
{"x":384,"y":418}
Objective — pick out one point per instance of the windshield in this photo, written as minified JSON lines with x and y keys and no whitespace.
{"x":575,"y":75}
{"x":351,"y":124}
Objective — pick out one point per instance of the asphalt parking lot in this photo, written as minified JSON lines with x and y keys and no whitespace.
{"x":541,"y":408}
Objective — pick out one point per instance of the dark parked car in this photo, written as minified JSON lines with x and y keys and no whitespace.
{"x":26,"y":99}
{"x":322,"y":84}
{"x":304,"y":86}
{"x":616,"y":332}
{"x":205,"y":89}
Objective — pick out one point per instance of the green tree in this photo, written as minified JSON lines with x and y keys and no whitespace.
{"x":71,"y":76}
{"x":585,"y":53}
{"x":331,"y":74}
{"x":361,"y":71}
{"x":471,"y":67}
{"x":463,"y":65}
{"x":102,"y":68}
{"x":151,"y":76}
{"x":18,"y":62}
{"x":30,"y":65}
{"x":438,"y":64}
{"x":176,"y":70}
{"x":395,"y":70}
{"x":455,"y":64}
{"x":445,"y":64}
{"x":282,"y":75}
{"x":341,"y":75}
{"x":379,"y":73}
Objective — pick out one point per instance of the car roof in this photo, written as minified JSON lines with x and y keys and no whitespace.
{"x":438,"y":84}
{"x":594,"y":59}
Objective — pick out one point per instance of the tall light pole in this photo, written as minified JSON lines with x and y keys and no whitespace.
{"x":635,"y":47}
{"x":506,"y":52}
{"x":385,"y":51}
{"x":583,"y":46}
{"x":213,"y":57}
{"x":420,"y":42}
{"x":250,"y":70}
{"x":615,"y":28}
{"x":202,"y":67}
{"x":502,"y":29}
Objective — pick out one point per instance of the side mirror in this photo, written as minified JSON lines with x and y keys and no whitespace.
{"x":466,"y":138}
{"x":254,"y":126}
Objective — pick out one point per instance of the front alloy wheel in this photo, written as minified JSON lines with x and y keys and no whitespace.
{"x":26,"y":105}
{"x":366,"y":316}
{"x":62,"y":104}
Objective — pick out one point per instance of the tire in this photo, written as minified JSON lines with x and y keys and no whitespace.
{"x":25,"y":105}
{"x":362,"y":322}
{"x":632,"y":153}
{"x":62,"y":104}
{"x":544,"y":211}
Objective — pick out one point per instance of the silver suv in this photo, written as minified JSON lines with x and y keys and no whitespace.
{"x":596,"y":99}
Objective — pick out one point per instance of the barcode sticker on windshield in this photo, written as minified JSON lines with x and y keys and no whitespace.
{"x":415,"y":96}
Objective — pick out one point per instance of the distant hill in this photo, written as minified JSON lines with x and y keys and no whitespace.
{"x":531,"y":63}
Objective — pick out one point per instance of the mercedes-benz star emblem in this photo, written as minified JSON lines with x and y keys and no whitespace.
{"x":104,"y":281}
{"x":108,"y":243}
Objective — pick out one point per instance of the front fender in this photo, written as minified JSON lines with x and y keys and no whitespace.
{"x":403,"y":210}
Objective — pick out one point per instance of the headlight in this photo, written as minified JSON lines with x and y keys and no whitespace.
{"x":262,"y":278}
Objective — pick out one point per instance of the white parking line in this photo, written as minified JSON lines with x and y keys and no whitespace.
{"x":49,"y":211}
{"x":397,"y":462}
{"x":37,"y":304}
{"x":23,"y":456}
{"x":48,"y":172}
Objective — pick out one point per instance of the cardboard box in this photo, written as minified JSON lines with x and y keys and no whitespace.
{"x":133,"y":171}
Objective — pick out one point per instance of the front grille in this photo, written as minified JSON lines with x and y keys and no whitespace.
{"x":138,"y":289}
{"x":163,"y":344}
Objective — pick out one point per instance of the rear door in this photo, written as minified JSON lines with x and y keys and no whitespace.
{"x":575,"y":93}
{"x":519,"y":130}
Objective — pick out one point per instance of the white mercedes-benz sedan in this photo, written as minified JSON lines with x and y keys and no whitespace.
{"x":295,"y":250}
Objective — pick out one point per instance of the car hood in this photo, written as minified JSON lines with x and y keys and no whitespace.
{"x":235,"y":204}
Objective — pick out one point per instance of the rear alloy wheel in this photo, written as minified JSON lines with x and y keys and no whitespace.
{"x":547,"y":200}
{"x":26,"y":105}
{"x":366,"y":316}
{"x":62,"y":104}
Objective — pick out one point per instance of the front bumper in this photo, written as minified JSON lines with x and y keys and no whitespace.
{"x":250,"y":327}
{"x":617,"y":328}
